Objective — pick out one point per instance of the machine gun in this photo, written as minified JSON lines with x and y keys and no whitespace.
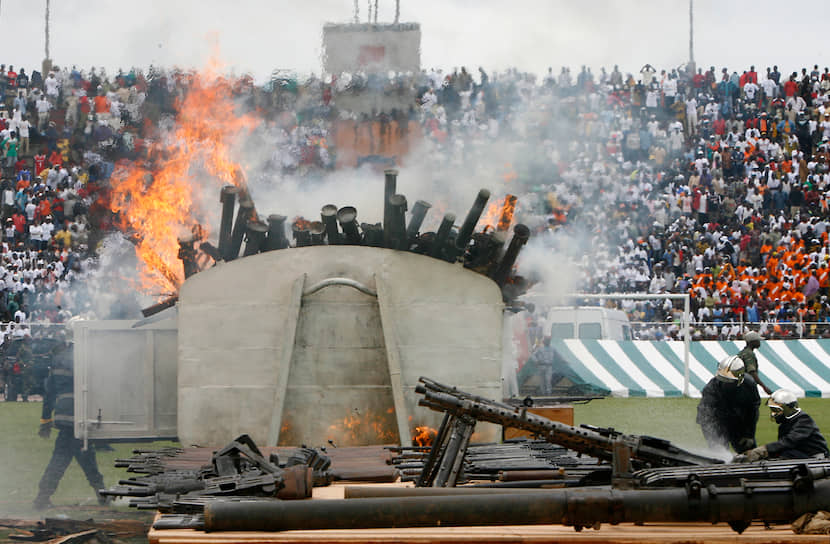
{"x":238,"y":469}
{"x":463,"y":410}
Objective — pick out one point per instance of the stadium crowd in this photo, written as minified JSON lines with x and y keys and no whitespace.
{"x":715,"y":183}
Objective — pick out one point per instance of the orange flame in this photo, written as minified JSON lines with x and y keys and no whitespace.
{"x":499,"y":214}
{"x":371,"y":428}
{"x":156,"y":200}
{"x":424,"y":436}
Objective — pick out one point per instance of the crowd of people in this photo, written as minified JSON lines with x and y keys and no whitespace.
{"x":714,"y":183}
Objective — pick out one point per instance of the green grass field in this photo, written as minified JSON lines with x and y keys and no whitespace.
{"x":24,"y":455}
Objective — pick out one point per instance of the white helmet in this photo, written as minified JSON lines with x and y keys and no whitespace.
{"x":782,"y":404}
{"x":731,"y":370}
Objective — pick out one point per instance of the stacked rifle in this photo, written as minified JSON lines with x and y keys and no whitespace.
{"x":238,"y":469}
{"x":515,"y":463}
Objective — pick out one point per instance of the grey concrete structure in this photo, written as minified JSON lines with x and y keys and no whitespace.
{"x":327,"y":342}
{"x":371,"y":47}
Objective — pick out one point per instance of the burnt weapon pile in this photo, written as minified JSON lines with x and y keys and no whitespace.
{"x":577,"y":476}
{"x":491,"y":251}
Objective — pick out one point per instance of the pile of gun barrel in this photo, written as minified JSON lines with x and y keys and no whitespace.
{"x":483,"y":252}
{"x":515,"y":463}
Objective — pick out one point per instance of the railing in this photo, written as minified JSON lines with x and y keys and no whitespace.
{"x":718,"y":330}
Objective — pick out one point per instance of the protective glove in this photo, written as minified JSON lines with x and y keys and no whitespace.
{"x":745,"y":444}
{"x":753,"y":455}
{"x":45,"y":429}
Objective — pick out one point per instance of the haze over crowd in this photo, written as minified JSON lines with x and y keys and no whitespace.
{"x":258,"y":36}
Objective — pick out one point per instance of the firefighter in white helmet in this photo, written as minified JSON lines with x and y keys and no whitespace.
{"x":728,"y":409}
{"x":798,"y":435}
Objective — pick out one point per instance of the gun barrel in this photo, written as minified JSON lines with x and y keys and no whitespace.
{"x":578,"y":507}
{"x":329,"y":216}
{"x":254,"y":237}
{"x":318,"y":231}
{"x":394,"y":231}
{"x":245,"y":212}
{"x":441,"y":237}
{"x":521,"y":234}
{"x":389,"y":190}
{"x":227,"y":197}
{"x":583,"y":440}
{"x":418,"y":213}
{"x":466,"y":230}
{"x":347,"y":217}
{"x":276,"y":233}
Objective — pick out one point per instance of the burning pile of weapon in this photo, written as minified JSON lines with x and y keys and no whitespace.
{"x":486,"y":252}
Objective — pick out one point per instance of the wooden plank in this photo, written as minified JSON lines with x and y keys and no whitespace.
{"x":621,"y":534}
{"x":393,"y":358}
{"x":292,"y":319}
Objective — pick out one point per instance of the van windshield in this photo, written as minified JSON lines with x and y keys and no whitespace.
{"x":590,"y":331}
{"x":562,"y":330}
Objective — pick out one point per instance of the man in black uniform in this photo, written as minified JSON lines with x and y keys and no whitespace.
{"x":798,"y":435}
{"x":58,"y":398}
{"x":728,"y":409}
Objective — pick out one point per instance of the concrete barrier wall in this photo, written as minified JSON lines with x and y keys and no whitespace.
{"x":236,"y":324}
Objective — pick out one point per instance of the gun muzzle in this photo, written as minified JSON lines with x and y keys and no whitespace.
{"x":394,"y":232}
{"x":227,"y":197}
{"x":418,"y":213}
{"x":439,"y":246}
{"x":318,"y":231}
{"x":245,"y":213}
{"x":521,"y":234}
{"x":276,"y":238}
{"x":390,"y":184}
{"x":329,"y":216}
{"x":347,"y":217}
{"x":254,"y":237}
{"x":466,"y":230}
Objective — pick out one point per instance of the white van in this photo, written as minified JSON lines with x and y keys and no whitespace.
{"x":587,"y":323}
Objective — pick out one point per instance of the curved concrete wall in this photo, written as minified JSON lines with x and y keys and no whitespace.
{"x":240,"y":327}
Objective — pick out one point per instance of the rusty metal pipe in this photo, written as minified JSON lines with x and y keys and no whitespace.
{"x":394,"y":232}
{"x":243,"y":214}
{"x":389,"y":190}
{"x":227,"y":197}
{"x":469,"y":225}
{"x":416,"y":219}
{"x":276,"y":238}
{"x":521,"y":234}
{"x":441,"y":237}
{"x":347,"y":217}
{"x":254,"y":237}
{"x":329,"y":216}
{"x":578,"y":507}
